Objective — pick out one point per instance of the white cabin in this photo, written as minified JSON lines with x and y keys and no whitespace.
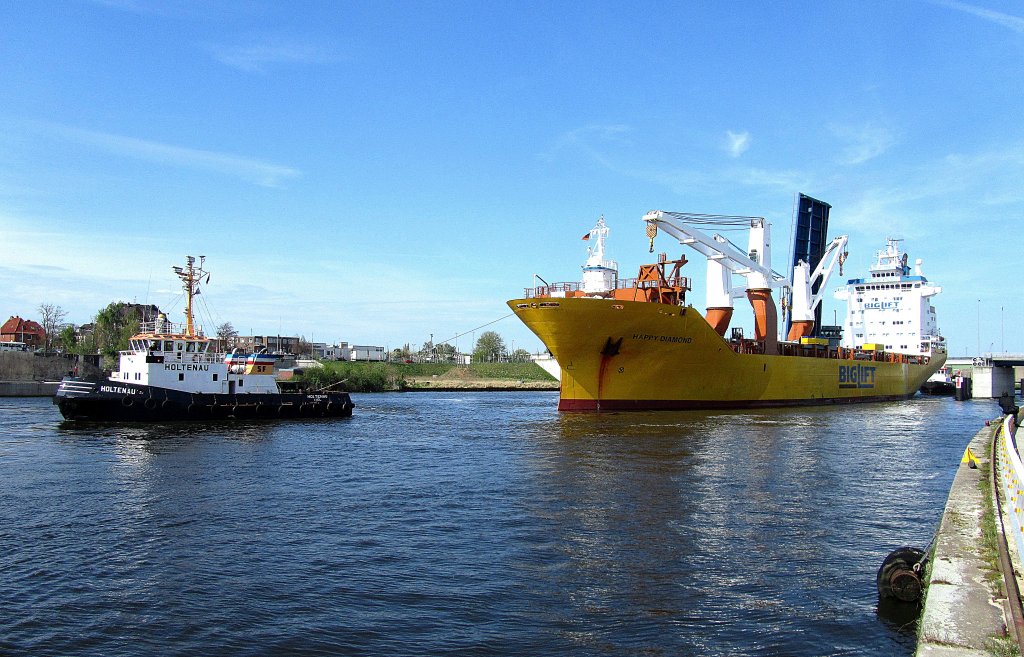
{"x":164,"y":356}
{"x":892,"y":308}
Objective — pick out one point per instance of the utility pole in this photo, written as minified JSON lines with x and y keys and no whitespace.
{"x":979,"y":328}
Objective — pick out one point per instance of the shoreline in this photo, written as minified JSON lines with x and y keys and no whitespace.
{"x":482,"y":385}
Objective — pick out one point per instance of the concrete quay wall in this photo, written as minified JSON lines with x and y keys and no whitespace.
{"x":965,"y":609}
{"x":28,"y":388}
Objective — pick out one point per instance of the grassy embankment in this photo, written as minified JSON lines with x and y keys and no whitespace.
{"x":381,"y":377}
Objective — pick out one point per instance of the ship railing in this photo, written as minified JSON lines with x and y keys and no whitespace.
{"x":747,"y":346}
{"x":164,"y":327}
{"x":570,"y":289}
{"x":672,"y":281}
{"x":553,"y":290}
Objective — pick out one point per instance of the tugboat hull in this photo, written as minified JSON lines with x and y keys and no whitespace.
{"x":103,"y":401}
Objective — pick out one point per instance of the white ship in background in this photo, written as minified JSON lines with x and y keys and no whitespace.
{"x":891,"y":308}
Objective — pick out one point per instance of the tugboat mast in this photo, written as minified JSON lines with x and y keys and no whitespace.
{"x":191,"y":276}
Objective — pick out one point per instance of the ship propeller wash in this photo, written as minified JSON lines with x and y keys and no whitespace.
{"x":636,"y":344}
{"x":170,"y":372}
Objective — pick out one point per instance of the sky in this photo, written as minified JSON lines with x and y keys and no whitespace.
{"x":383,"y":172}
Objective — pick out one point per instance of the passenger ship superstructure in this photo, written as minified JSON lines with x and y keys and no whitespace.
{"x":171,"y":372}
{"x":636,"y":344}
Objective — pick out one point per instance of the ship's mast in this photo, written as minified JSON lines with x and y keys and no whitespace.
{"x":598,"y":233}
{"x":191,"y":276}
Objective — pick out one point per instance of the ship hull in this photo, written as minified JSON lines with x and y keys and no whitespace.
{"x":626,"y":355}
{"x":107,"y":401}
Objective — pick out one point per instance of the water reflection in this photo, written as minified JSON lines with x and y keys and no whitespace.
{"x":436,"y":523}
{"x":757,"y":519}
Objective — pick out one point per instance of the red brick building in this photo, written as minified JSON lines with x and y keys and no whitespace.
{"x":17,"y":329}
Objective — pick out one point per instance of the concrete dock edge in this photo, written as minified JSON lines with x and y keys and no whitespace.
{"x":964,"y":609}
{"x":28,"y":388}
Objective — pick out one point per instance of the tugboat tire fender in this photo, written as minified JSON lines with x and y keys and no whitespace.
{"x":150,"y":403}
{"x":127,"y":402}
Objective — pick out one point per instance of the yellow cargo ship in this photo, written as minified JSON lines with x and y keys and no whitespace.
{"x":636,"y":345}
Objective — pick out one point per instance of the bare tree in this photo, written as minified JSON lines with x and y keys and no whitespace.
{"x":302,"y":347}
{"x":227,"y":335}
{"x":52,"y":321}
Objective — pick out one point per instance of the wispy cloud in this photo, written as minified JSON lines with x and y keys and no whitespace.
{"x":258,"y":57}
{"x":1015,"y":23}
{"x":863,"y":143}
{"x":589,"y":139}
{"x":598,"y":141}
{"x":737,"y":142}
{"x":252,"y":170}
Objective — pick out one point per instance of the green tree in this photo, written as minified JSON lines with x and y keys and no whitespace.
{"x":445,"y":352}
{"x":67,"y":339}
{"x":114,"y":326}
{"x":519,"y":356}
{"x":489,"y":347}
{"x":86,"y":344}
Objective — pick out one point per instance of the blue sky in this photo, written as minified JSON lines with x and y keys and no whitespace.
{"x":378,"y":172}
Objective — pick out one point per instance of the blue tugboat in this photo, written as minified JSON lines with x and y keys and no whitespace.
{"x":169,"y":372}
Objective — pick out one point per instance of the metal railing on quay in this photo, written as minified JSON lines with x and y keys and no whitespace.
{"x":1009,"y":475}
{"x":1011,"y":479}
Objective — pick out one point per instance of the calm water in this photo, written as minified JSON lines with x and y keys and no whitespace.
{"x":477,"y":524}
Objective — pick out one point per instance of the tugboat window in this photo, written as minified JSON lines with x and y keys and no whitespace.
{"x":181,"y":376}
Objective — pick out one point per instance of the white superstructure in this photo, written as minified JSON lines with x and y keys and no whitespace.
{"x":892,"y":309}
{"x":600,"y":276}
{"x":164,"y":355}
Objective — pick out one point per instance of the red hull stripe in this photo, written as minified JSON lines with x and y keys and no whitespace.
{"x":691,"y":404}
